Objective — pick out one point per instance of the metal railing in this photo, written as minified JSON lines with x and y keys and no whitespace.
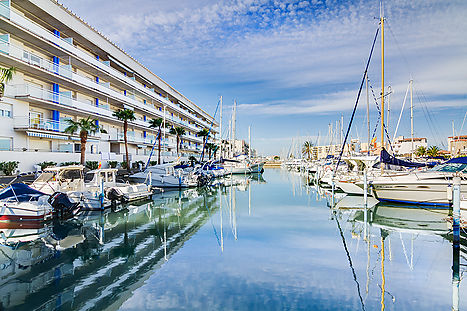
{"x":39,"y":123}
{"x":35,"y":60}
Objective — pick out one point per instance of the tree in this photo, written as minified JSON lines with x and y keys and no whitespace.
{"x":157,"y":123}
{"x":421,"y":151}
{"x":84,"y":127}
{"x":178,"y":131}
{"x":125,"y":115}
{"x":433,"y":151}
{"x":205,"y":134}
{"x":6,"y":75}
{"x":307,"y":149}
{"x":212,"y":148}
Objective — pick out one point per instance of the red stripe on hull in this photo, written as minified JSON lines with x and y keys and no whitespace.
{"x":19,"y":218}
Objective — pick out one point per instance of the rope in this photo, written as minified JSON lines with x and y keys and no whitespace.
{"x":356,"y":102}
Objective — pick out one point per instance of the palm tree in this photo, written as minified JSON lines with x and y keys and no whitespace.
{"x":205,"y":134}
{"x":178,"y":131}
{"x":125,"y":115}
{"x":211,"y":148}
{"x":157,"y":123}
{"x":307,"y":149}
{"x":6,"y":75}
{"x":421,"y":151}
{"x":84,"y":127}
{"x":433,"y":151}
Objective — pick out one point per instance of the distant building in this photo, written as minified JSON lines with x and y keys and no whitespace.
{"x":403,"y":146}
{"x":457,"y":145}
{"x":234,"y":148}
{"x":321,"y":152}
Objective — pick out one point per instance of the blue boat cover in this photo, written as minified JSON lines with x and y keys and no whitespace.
{"x":389,"y":159}
{"x":462,"y":160}
{"x":21,"y":192}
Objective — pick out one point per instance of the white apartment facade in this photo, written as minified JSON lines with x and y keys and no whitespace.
{"x":407,"y":146}
{"x":68,"y":70}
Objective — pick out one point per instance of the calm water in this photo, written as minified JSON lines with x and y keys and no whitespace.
{"x":265,"y":244}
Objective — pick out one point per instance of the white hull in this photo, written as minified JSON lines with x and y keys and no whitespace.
{"x":417,"y":192}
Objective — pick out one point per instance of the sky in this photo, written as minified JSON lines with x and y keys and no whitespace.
{"x":295,"y":66}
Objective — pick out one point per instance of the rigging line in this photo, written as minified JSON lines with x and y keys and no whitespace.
{"x":209,"y":132}
{"x":214,"y":228}
{"x":402,"y":109}
{"x":420,"y":94}
{"x":356,"y":103}
{"x":379,"y":112}
{"x":399,"y":48}
{"x":429,"y":118}
{"x":462,"y":127}
{"x":349,"y":259}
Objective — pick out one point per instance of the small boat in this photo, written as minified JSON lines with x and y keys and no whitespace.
{"x":19,"y":202}
{"x":116,"y":191}
{"x":69,"y":181}
{"x":166,"y":176}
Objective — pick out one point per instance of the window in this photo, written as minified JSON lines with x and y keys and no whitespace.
{"x":5,"y":110}
{"x":6,"y":143}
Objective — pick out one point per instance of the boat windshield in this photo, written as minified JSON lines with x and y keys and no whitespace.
{"x":45,"y":177}
{"x":450,"y":167}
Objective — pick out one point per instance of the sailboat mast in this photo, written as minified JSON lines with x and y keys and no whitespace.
{"x":234,"y":121}
{"x":368,"y":111}
{"x":382,"y":81}
{"x":220,"y":131}
{"x":411,"y":115}
{"x":249,"y":142}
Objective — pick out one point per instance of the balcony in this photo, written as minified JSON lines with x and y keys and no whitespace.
{"x":67,"y":45}
{"x":36,"y":94}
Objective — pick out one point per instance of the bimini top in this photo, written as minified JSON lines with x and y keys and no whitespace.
{"x":19,"y":192}
{"x":462,"y":160}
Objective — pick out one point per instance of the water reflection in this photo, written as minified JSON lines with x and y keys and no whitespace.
{"x":379,"y":225}
{"x":92,"y":261}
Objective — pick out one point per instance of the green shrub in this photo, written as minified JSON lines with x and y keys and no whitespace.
{"x":46,"y":164}
{"x":123,"y":165}
{"x":9,"y":167}
{"x":152,"y":163}
{"x":69,"y":163}
{"x":112,"y":164}
{"x":92,"y":165}
{"x":137,"y":163}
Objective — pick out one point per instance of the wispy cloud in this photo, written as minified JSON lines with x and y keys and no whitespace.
{"x":290,"y":57}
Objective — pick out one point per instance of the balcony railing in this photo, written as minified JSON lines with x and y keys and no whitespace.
{"x":39,"y":123}
{"x":67,"y":44}
{"x":33,"y":59}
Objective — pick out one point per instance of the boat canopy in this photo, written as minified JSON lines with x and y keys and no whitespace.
{"x":389,"y":159}
{"x":19,"y":192}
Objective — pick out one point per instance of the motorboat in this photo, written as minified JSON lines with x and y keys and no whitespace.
{"x":116,"y":191}
{"x":19,"y":202}
{"x":69,"y":180}
{"x":166,"y":176}
{"x":428,"y":187}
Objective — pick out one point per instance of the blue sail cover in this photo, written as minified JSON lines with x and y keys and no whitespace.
{"x":21,"y":192}
{"x":389,"y":159}
{"x":462,"y":160}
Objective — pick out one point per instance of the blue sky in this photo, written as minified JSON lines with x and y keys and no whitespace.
{"x":296,"y":66}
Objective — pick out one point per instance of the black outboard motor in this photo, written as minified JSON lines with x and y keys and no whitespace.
{"x":62,"y":206}
{"x":114,"y":195}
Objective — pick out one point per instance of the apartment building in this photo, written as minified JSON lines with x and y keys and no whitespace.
{"x":68,"y":70}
